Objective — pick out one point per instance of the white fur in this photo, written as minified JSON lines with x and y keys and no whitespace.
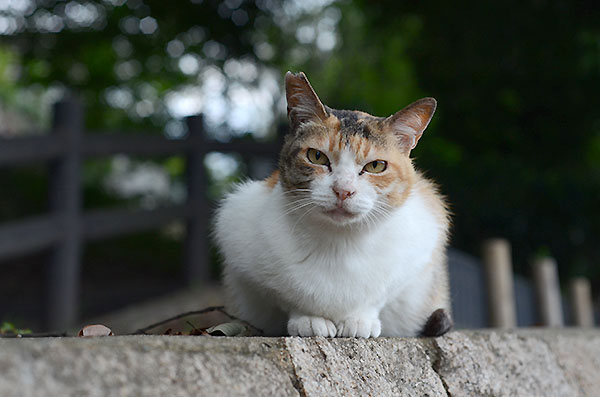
{"x":291,"y":268}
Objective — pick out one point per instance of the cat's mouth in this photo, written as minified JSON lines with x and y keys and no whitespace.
{"x":340,"y":214}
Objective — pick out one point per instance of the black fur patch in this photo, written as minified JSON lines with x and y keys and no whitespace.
{"x":349,"y":124}
{"x":437,"y":324}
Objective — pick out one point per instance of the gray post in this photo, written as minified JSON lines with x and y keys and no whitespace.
{"x":582,"y":308}
{"x":196,"y":244}
{"x":499,"y":279}
{"x":545,"y":277}
{"x":65,"y":202}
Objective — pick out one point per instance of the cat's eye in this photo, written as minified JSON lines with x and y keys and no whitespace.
{"x":317,"y":157}
{"x":375,"y":167}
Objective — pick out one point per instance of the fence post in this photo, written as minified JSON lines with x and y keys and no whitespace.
{"x":196,"y":244}
{"x":499,"y":280}
{"x":581,"y":302}
{"x":65,"y":203}
{"x":545,"y":277}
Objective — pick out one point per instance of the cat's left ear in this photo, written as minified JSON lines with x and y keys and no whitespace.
{"x":409,"y":123}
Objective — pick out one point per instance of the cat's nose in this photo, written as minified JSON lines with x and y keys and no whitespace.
{"x":343,"y":194}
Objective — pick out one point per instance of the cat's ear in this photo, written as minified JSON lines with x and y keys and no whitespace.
{"x":409,"y":123}
{"x":303,"y":104}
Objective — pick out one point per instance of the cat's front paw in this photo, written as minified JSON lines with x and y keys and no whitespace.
{"x":311,"y":326}
{"x":359,"y":327}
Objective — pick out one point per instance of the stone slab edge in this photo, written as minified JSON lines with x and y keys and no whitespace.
{"x":494,"y":363}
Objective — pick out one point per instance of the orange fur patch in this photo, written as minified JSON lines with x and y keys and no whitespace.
{"x":399,"y":171}
{"x":272,"y":180}
{"x":333,"y":123}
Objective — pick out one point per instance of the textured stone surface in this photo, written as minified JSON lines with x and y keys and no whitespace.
{"x":145,"y":366}
{"x":500,"y":364}
{"x":492,"y":363}
{"x":342,"y":367}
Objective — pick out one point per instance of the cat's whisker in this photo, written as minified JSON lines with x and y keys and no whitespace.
{"x":296,"y":208}
{"x":298,"y":201}
{"x":293,"y":207}
{"x":380,"y":212}
{"x":300,"y":218}
{"x":291,"y":210}
{"x":296,"y":191}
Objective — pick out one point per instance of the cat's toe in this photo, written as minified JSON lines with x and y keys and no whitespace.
{"x":359,"y":327}
{"x":323,"y":327}
{"x":311,"y":326}
{"x":293,"y":328}
{"x":375,"y":329}
{"x":304,"y":327}
{"x":347,"y":328}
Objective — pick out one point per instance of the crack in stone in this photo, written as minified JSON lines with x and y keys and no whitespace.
{"x":296,"y":382}
{"x":436,"y":365}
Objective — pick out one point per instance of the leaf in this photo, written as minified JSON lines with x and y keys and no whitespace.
{"x":95,"y":330}
{"x":197,"y":323}
{"x":229,"y":329}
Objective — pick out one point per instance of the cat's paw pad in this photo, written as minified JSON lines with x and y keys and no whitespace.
{"x":359,"y":327}
{"x":311,"y":326}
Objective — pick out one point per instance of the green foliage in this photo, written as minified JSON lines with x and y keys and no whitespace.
{"x":515,"y":143}
{"x":9,"y":329}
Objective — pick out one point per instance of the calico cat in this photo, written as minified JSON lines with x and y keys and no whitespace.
{"x":346,"y":238}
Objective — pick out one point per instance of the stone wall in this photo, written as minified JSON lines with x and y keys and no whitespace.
{"x":547,"y":362}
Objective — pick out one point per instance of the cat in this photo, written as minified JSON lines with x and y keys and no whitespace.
{"x":346,"y":238}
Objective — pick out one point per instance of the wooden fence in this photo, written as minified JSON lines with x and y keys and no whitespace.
{"x":484,"y":293}
{"x":66,"y":227}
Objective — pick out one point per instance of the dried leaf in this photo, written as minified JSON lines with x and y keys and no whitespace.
{"x":197,"y":331}
{"x":229,"y":329}
{"x":199,"y":321}
{"x":95,"y":330}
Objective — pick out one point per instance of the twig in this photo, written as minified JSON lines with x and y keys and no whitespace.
{"x":142,"y":331}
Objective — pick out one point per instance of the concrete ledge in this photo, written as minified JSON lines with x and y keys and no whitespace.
{"x":525,"y":363}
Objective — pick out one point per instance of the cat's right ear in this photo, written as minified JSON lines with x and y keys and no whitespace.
{"x":409,"y":123}
{"x":303,"y":104}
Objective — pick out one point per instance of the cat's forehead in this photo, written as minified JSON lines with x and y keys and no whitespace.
{"x":354,"y":122}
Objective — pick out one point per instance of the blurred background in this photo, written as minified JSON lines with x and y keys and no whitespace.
{"x":515,"y":143}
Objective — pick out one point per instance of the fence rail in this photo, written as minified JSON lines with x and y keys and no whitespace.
{"x":22,"y":237}
{"x":66,"y":227}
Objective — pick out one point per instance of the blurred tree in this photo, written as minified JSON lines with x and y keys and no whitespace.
{"x":515,"y":143}
{"x":126,"y":54}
